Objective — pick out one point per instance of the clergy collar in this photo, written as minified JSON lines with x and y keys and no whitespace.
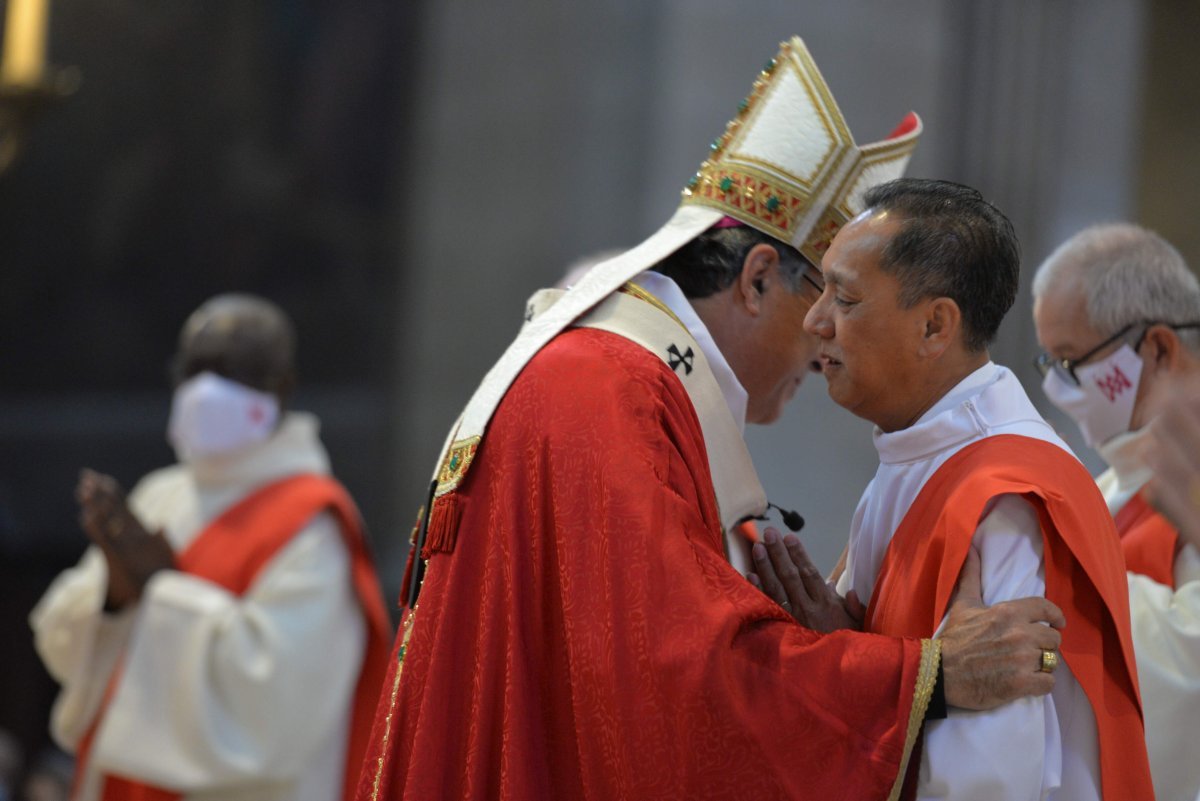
{"x":953,"y":420}
{"x":969,"y":386}
{"x":673,"y":298}
{"x":1124,"y":453}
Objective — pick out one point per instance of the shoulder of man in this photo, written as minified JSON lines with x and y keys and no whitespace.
{"x":601,"y":358}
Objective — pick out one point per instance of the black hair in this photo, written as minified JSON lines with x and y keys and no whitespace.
{"x":951,"y":243}
{"x":712,"y":261}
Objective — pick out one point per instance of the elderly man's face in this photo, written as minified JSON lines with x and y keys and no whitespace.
{"x":869,"y":344}
{"x":1063,"y":328}
{"x":782,"y":352}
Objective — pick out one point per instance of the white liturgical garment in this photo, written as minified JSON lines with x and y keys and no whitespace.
{"x":1166,"y":637}
{"x":1033,"y":748}
{"x":667,"y":291}
{"x":220,"y":697}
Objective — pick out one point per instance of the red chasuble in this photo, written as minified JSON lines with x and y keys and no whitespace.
{"x":580,"y":634}
{"x":233,"y":549}
{"x":1148,"y":540}
{"x":1085,"y":577}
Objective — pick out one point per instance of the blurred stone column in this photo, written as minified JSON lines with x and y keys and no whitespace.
{"x":1045,"y":99}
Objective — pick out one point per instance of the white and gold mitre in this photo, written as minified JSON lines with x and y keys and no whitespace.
{"x":787,"y":164}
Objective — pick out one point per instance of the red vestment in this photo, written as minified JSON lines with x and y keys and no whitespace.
{"x":1148,"y":540}
{"x":579,"y":633}
{"x":1085,"y":577}
{"x":232,"y":550}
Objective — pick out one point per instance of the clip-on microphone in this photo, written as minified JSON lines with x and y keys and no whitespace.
{"x":791,"y":519}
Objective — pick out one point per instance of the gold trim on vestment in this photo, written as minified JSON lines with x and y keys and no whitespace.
{"x":454,"y":466}
{"x":631,"y":288}
{"x":387,"y":724}
{"x":931,"y":657}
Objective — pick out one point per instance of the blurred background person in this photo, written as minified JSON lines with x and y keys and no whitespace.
{"x":49,"y":777}
{"x":1117,"y":312}
{"x":1174,"y":454}
{"x":224,"y":636}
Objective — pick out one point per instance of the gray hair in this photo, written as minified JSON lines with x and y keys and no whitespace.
{"x":1127,"y":274}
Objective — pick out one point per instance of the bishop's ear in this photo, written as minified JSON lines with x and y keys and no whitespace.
{"x":759,"y":272}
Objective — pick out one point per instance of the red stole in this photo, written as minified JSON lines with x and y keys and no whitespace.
{"x":232,"y":550}
{"x":1085,"y":577}
{"x":1148,"y":540}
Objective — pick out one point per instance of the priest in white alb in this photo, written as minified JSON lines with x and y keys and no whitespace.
{"x":915,"y":289}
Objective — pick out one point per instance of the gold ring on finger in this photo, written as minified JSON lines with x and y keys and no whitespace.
{"x":1049,"y":661}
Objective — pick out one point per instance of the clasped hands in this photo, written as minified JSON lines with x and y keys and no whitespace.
{"x":132,"y":553}
{"x":784,"y":572}
{"x":990,"y":655}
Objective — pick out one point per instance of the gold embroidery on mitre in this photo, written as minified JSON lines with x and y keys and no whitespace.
{"x":748,"y":184}
{"x":797,"y":63}
{"x":743,"y":192}
{"x":900,"y":152}
{"x":807,"y":203}
{"x":821,"y":235}
{"x":454,"y":465}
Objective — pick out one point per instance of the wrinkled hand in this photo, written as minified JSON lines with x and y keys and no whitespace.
{"x":784,"y":572}
{"x":991,"y":655}
{"x":1175,"y":457}
{"x":133,"y":554}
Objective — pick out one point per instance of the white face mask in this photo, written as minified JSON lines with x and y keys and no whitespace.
{"x":1102,"y":404}
{"x":211,"y":415}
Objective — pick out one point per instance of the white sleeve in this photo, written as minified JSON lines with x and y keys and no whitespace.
{"x":1014,"y":751}
{"x":78,"y":643}
{"x":218,"y":690}
{"x":1166,"y":639}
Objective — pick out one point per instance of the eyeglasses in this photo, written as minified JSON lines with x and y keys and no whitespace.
{"x":813,"y":277}
{"x":1044,"y":362}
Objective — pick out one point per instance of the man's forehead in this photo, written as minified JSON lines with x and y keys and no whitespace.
{"x":848,"y":255}
{"x":1062,"y":324}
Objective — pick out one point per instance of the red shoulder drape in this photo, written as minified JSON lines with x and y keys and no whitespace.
{"x":1148,"y":541}
{"x":1085,"y":577}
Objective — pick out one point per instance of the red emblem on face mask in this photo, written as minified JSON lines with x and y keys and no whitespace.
{"x":1114,"y":384}
{"x":256,"y":413}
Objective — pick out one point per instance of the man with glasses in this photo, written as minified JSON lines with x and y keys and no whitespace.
{"x":1118,"y":313}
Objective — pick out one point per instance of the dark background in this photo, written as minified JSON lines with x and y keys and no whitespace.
{"x":212,"y":146}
